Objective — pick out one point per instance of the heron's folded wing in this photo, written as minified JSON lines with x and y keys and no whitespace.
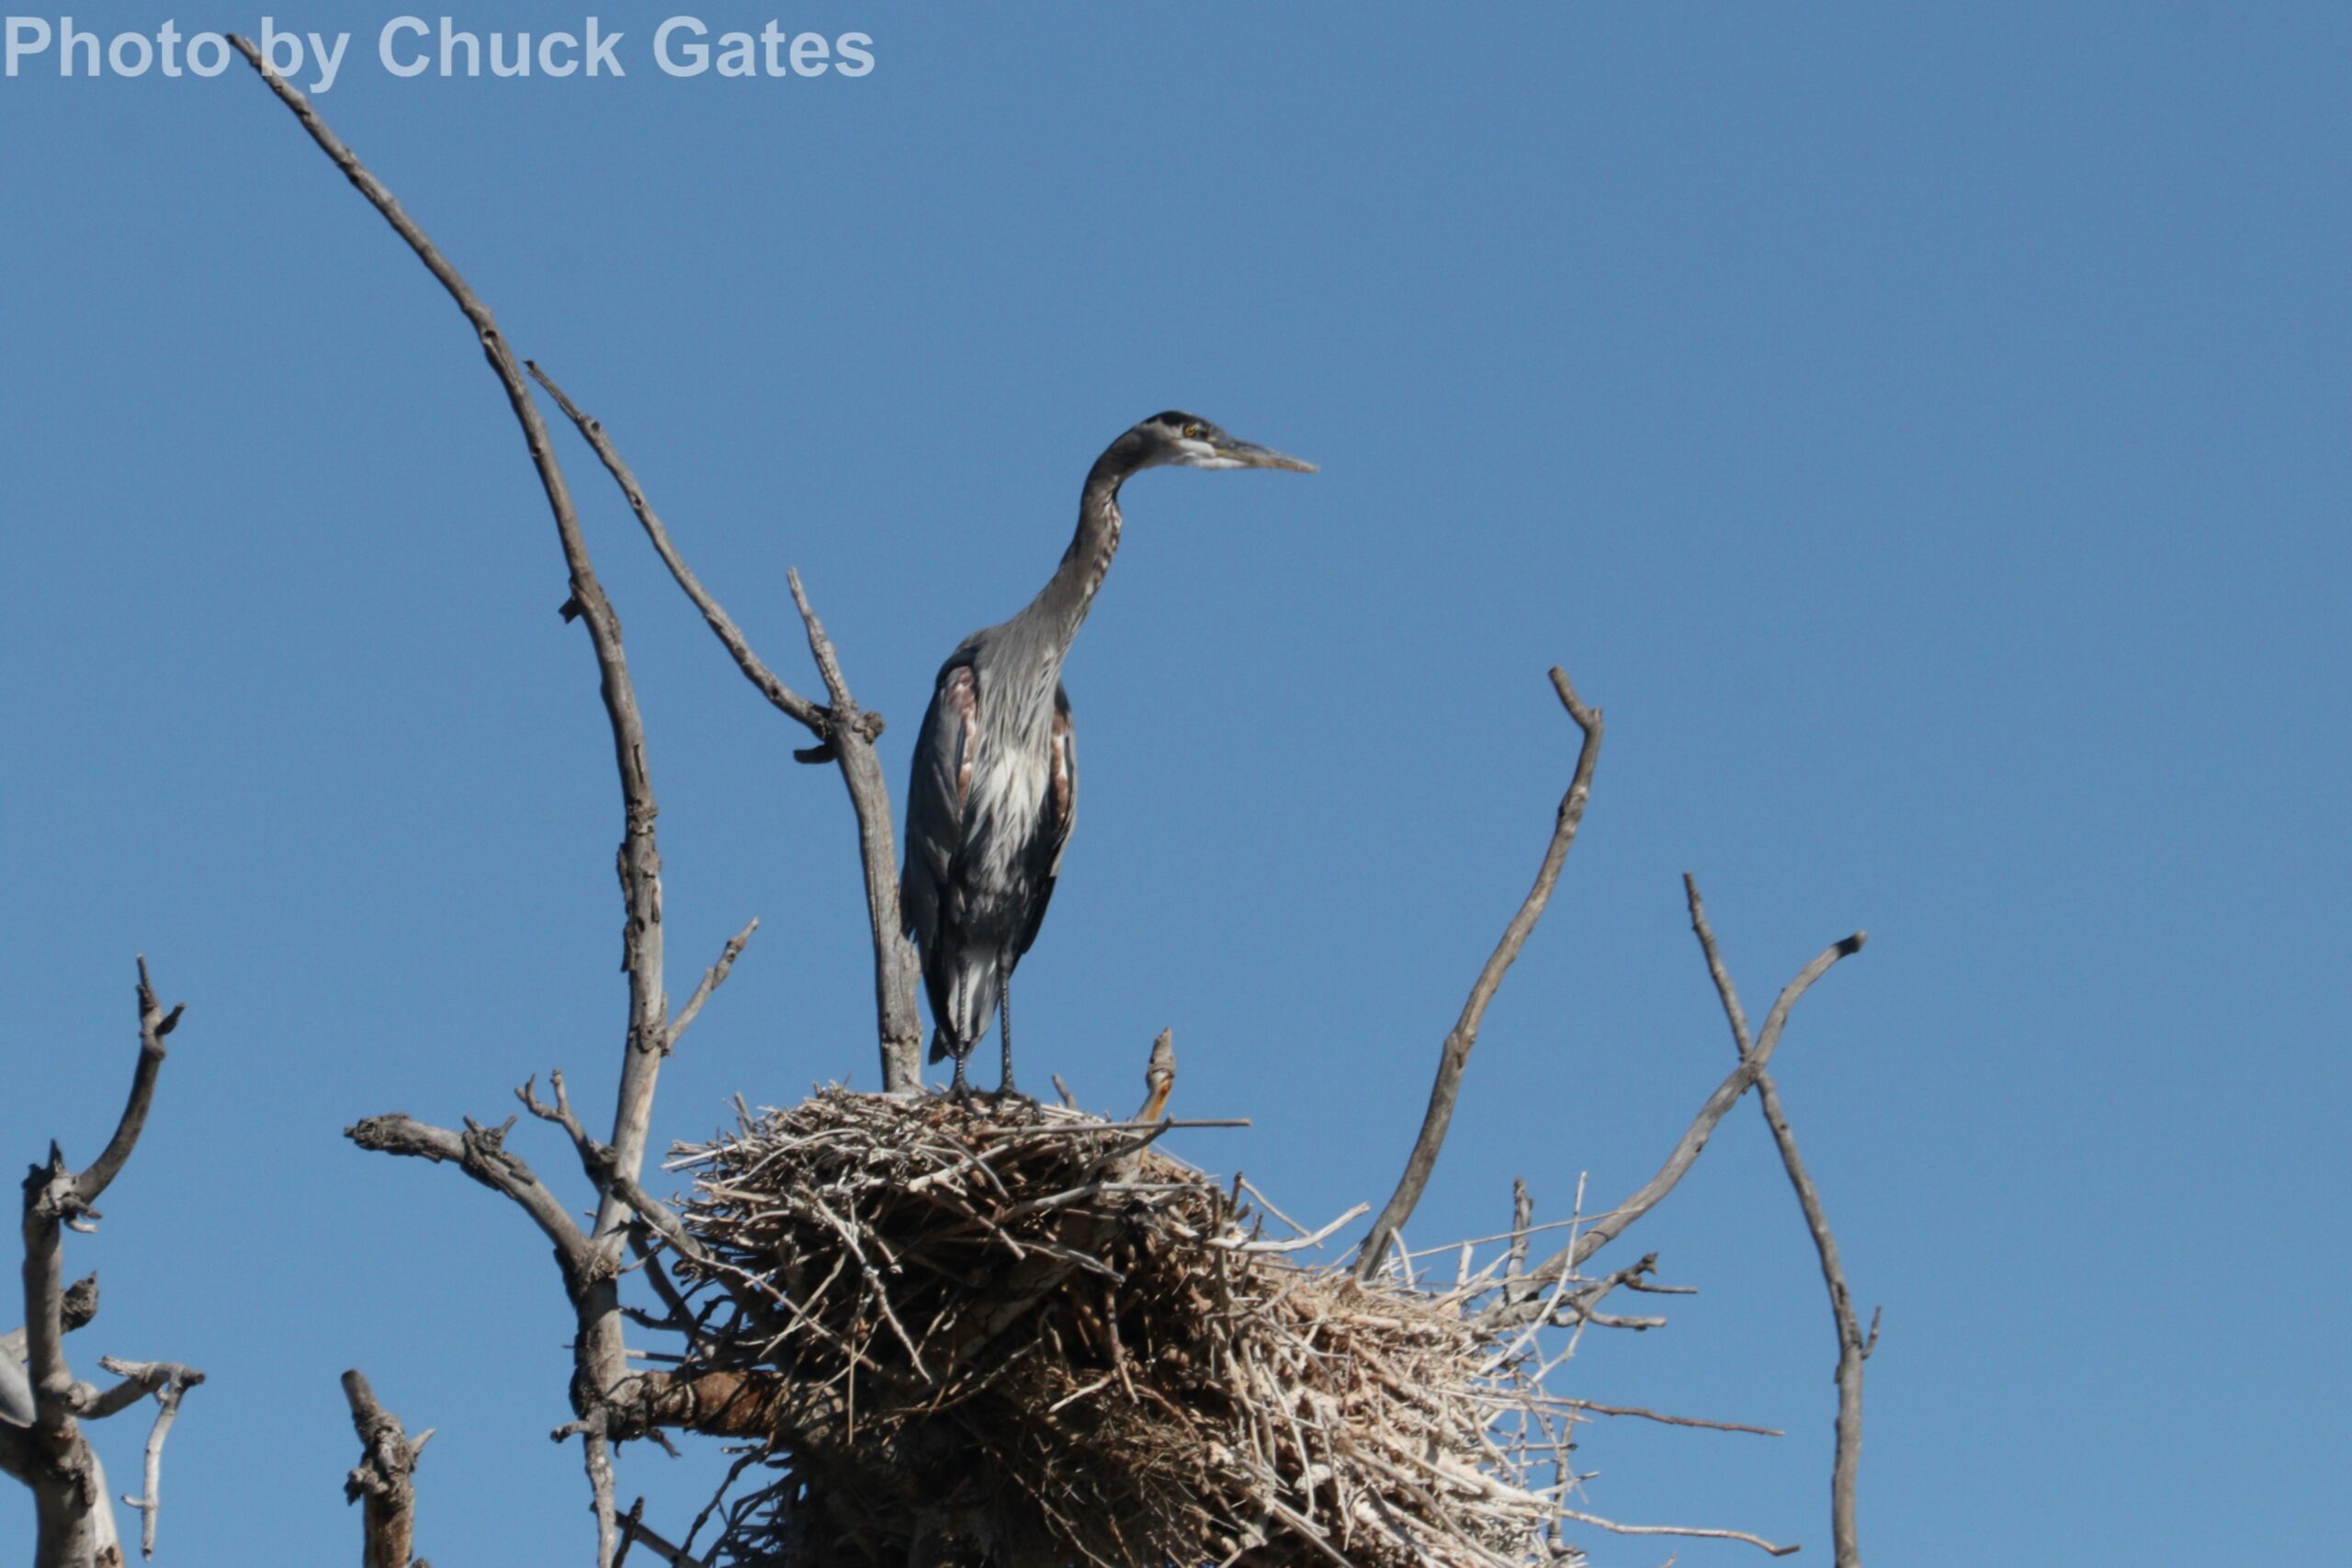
{"x":946,"y":751}
{"x":1054,"y":825}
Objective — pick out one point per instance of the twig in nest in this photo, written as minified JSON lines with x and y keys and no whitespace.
{"x":1598,"y":1523}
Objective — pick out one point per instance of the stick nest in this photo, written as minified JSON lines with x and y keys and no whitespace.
{"x":1021,"y":1336}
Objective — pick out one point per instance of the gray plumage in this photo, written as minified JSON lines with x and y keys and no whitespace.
{"x":995,"y":788}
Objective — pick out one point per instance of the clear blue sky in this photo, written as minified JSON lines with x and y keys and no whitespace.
{"x":1922,"y":429}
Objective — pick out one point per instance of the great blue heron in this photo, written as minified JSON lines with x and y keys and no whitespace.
{"x":995,"y":786}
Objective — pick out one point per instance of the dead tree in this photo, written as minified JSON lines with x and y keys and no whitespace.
{"x":752,"y":1326}
{"x":44,"y":1408}
{"x":611,"y":1402}
{"x":382,"y":1480}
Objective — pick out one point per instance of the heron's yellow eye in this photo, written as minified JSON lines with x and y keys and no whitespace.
{"x":1194,"y":432}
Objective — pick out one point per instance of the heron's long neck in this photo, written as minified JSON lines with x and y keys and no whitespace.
{"x":1059,"y":608}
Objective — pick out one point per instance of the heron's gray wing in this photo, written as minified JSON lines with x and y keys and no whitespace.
{"x":1044,"y":852}
{"x":946,"y":750}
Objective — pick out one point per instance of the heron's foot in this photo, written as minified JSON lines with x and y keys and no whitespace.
{"x":960,"y":1090}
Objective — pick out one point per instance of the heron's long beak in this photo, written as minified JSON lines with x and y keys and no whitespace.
{"x":1249,"y":454}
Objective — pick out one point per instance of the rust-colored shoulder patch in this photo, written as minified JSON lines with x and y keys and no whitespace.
{"x":1065,"y":777}
{"x":961,"y":694}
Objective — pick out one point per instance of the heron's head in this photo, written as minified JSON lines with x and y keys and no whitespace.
{"x":1186,"y":440}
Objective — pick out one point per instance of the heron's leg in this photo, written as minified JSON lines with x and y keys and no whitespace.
{"x":1005,"y":1031}
{"x":960,"y":1089}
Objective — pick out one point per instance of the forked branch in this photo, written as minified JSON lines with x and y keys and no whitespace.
{"x":722,"y":625}
{"x":845,"y":735}
{"x":56,"y":1197}
{"x":640,"y":862}
{"x":41,"y":1442}
{"x":1455,"y":1056}
{"x":1854,"y":1346}
{"x":480,"y":1152}
{"x":168,"y":1382}
{"x":1606,"y":1228}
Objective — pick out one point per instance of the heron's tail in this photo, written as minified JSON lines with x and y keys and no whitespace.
{"x":963,"y":1005}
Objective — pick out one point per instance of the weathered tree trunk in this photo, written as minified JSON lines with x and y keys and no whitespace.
{"x":43,"y":1405}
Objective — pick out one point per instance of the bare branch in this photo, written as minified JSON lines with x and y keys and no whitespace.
{"x":54,"y":1199}
{"x":1295,"y":1244}
{"x":1600,"y":1409}
{"x":1242,"y":1184}
{"x":480,"y":1153}
{"x":829,"y":665}
{"x":1600,"y":1523}
{"x":1456,"y":1053}
{"x":596,"y":1158}
{"x":596,"y":1458}
{"x":1519,"y":1304}
{"x":590,"y":1263}
{"x":1853,"y":1345}
{"x":72,"y":1507}
{"x":153,"y":1025}
{"x":640,"y":862}
{"x":1522,"y":1217}
{"x":1579,"y":1305}
{"x":722,"y":625}
{"x":712,"y":978}
{"x":665,"y":1224}
{"x":168,"y":1383}
{"x":383,"y":1477}
{"x":604,"y":1172}
{"x":850,"y":745}
{"x":844,"y":736}
{"x":48,"y":1196}
{"x":140,"y":1379}
{"x":1775,"y":1021}
{"x":750,"y":1456}
{"x":1733,"y":1013}
{"x":635,"y":1530}
{"x":1607,"y":1227}
{"x":682,"y":1321}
